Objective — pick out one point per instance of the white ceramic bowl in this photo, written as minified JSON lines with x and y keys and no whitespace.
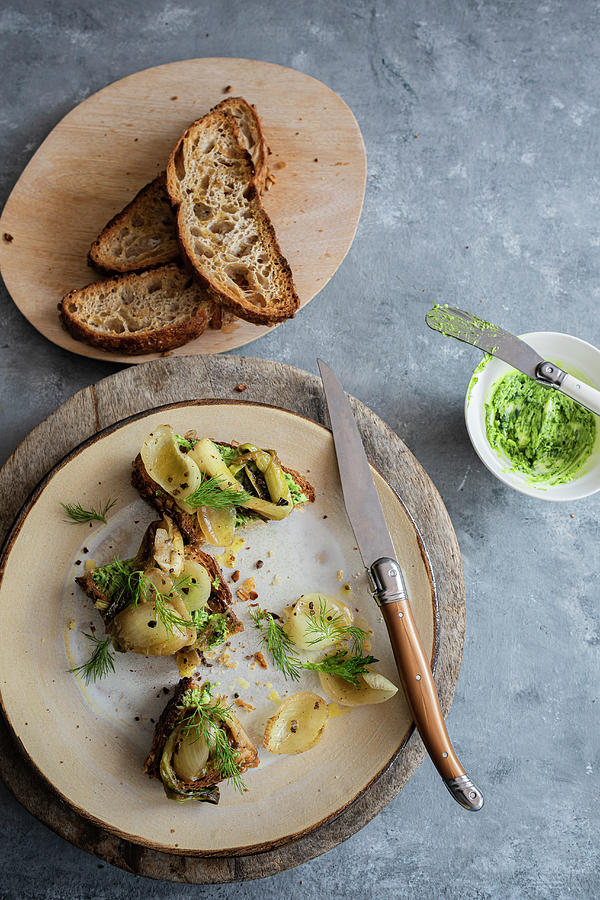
{"x":575,"y":356}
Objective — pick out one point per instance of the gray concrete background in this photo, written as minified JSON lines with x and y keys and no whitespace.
{"x":481,"y":122}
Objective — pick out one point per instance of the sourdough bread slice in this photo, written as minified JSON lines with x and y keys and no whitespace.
{"x":223,"y":230}
{"x":141,"y":236}
{"x":144,"y":233}
{"x":141,"y":312}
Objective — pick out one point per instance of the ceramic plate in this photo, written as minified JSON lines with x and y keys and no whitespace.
{"x":108,"y":147}
{"x":90,"y":742}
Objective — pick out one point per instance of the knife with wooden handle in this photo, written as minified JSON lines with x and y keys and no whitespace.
{"x":377,"y":550}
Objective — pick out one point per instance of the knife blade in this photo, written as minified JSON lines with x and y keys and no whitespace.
{"x":379,"y":557}
{"x":470,"y":329}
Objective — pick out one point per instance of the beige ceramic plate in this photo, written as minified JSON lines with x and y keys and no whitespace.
{"x":86,"y":741}
{"x":117,"y":140}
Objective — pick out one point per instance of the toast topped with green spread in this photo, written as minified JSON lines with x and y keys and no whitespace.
{"x":211,"y":488}
{"x":170,"y":599}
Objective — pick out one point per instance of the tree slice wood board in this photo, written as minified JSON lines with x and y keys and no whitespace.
{"x":176,"y":379}
{"x":107,"y":148}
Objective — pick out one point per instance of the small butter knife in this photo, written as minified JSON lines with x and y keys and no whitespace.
{"x":387,"y":583}
{"x":464,"y":326}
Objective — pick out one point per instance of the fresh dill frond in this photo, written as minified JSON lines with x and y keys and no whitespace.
{"x":100,"y":663}
{"x":216,"y":582}
{"x":144,"y":590}
{"x":344,"y":665}
{"x":277,"y":642}
{"x":167,"y":615}
{"x":185,"y":444}
{"x":322,"y":626}
{"x":210,"y":493}
{"x":207,"y":716}
{"x":77,"y":514}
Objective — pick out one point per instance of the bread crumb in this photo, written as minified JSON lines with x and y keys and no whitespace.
{"x":246,"y":590}
{"x":276,"y":580}
{"x":175,"y":97}
{"x":280,"y":165}
{"x":260,"y":659}
{"x":228,"y":89}
{"x":270,"y":553}
{"x":71,"y":624}
{"x":8,"y":237}
{"x":340,"y":575}
{"x":241,"y":387}
{"x":242,"y":703}
{"x":235,"y":575}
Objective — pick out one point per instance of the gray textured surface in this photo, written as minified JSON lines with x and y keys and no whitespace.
{"x":481,"y":122}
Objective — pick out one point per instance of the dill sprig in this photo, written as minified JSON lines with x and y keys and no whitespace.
{"x":144,"y":590}
{"x":322,"y":626}
{"x":277,"y":642}
{"x":207,"y":715}
{"x":77,"y":514}
{"x":210,"y":493}
{"x":167,"y":615}
{"x":100,"y":663}
{"x":343,"y":664}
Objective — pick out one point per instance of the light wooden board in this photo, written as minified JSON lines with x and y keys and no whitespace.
{"x":169,"y":380}
{"x":117,"y":140}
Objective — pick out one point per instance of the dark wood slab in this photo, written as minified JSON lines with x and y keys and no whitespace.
{"x":184,"y":378}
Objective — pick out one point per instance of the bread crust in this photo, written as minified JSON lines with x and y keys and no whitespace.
{"x":244,"y":310}
{"x":152,"y":340}
{"x":259,"y":160}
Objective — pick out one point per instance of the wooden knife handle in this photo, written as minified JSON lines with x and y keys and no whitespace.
{"x":417,"y":681}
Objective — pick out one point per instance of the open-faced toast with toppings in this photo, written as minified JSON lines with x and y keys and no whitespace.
{"x":170,"y":599}
{"x":209,"y":488}
{"x":198,"y":742}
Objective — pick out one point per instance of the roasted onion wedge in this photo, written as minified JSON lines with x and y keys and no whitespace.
{"x":372,"y":688}
{"x":313,"y":621}
{"x":297,"y":725}
{"x":139,"y":629}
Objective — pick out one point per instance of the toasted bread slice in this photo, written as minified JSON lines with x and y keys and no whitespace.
{"x":141,"y":236}
{"x":219,"y":601}
{"x":150,"y":491}
{"x":251,"y":135}
{"x":223,"y":230}
{"x":172,"y":715}
{"x":144,"y":233}
{"x":142,"y":312}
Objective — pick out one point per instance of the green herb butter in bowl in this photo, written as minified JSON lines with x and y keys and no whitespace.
{"x":532,"y":437}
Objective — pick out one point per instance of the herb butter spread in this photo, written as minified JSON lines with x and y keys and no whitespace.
{"x":544,"y":434}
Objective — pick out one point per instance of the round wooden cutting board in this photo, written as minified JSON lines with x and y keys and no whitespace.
{"x":107,"y":148}
{"x":188,"y":378}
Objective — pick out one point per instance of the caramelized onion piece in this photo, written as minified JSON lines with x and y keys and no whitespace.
{"x":217,"y":525}
{"x":175,"y":472}
{"x":297,"y":725}
{"x":372,"y":688}
{"x":305,"y":615}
